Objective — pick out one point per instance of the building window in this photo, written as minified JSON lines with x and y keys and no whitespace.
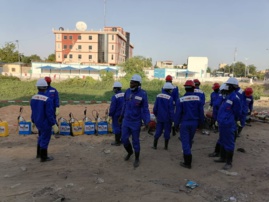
{"x":65,"y":46}
{"x":59,"y":55}
{"x":70,"y":56}
{"x":70,"y":37}
{"x":112,"y":57}
{"x":90,"y":47}
{"x":13,"y":69}
{"x":79,"y":47}
{"x":90,"y":37}
{"x":65,"y":56}
{"x":65,"y":37}
{"x":79,"y":37}
{"x":113,"y":37}
{"x":70,"y":46}
{"x":58,"y":45}
{"x":79,"y":57}
{"x":58,"y":36}
{"x":112,"y":47}
{"x":90,"y":57}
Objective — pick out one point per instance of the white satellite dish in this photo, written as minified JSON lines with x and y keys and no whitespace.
{"x":81,"y":26}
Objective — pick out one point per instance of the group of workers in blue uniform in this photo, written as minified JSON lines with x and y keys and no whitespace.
{"x":130,"y":110}
{"x":231,"y":105}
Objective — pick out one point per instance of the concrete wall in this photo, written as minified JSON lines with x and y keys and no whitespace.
{"x":198,"y":65}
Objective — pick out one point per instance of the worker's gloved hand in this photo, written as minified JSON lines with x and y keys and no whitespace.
{"x":57,"y":111}
{"x":120,"y":120}
{"x":216,"y":123}
{"x":55,"y":129}
{"x":33,"y":125}
{"x":238,"y":123}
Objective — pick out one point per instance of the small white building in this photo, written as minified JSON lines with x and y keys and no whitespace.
{"x":198,"y":65}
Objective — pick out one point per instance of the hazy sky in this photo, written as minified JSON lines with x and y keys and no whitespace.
{"x":160,"y":29}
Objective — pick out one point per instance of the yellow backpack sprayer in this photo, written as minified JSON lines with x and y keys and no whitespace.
{"x":76,"y":126}
{"x":3,"y":128}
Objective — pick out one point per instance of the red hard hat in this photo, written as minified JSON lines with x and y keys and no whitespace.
{"x":48,"y":79}
{"x":248,"y":92}
{"x":215,"y":86}
{"x":189,"y":83}
{"x":169,"y":78}
{"x":196,"y":82}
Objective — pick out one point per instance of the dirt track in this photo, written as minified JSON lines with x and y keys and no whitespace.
{"x":88,"y":168}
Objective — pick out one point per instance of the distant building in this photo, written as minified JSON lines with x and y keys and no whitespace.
{"x":110,"y":46}
{"x":198,"y":65}
{"x":164,"y":64}
{"x":222,"y":65}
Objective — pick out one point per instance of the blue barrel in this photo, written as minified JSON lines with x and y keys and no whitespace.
{"x":102,"y":128}
{"x":89,"y":128}
{"x":64,"y":128}
{"x":25,"y":128}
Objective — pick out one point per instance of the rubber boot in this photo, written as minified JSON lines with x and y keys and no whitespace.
{"x":229,"y":160}
{"x":166,"y":144}
{"x":239,"y":131}
{"x":155,"y":143}
{"x":117,"y":140}
{"x":129,"y":149}
{"x":216,"y":153}
{"x":38,"y":152}
{"x":174,"y":131}
{"x":187,"y":161}
{"x":136,"y":162}
{"x":44,"y":155}
{"x":222,"y":158}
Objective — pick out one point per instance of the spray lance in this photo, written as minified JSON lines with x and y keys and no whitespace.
{"x":95,"y":115}
{"x":71,"y":121}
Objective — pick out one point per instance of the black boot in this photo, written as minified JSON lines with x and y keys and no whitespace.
{"x":222,"y":158}
{"x":216,"y":153}
{"x":44,"y":155}
{"x":174,"y":131}
{"x":187,"y":161}
{"x":38,"y":152}
{"x":166,"y":144}
{"x":117,"y":140}
{"x":229,"y":160}
{"x":136,"y":162}
{"x":239,"y":131}
{"x":129,"y":149}
{"x":155,"y":143}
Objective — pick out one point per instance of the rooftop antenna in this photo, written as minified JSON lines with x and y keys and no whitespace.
{"x":104,"y":13}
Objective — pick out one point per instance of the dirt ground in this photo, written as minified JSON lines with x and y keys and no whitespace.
{"x":88,"y":168}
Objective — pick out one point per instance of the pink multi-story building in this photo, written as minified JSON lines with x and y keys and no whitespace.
{"x":110,"y":46}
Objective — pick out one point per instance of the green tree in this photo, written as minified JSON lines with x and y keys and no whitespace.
{"x":51,"y":58}
{"x":135,"y":65}
{"x":8,"y":53}
{"x":208,"y":70}
{"x":29,"y":59}
{"x":251,"y":69}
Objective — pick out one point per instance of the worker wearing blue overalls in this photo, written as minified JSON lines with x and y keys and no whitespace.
{"x":198,"y":91}
{"x":190,"y":114}
{"x":135,"y":109}
{"x":247,"y":106}
{"x":54,"y":95}
{"x":213,"y":98}
{"x":44,"y":119}
{"x":115,"y":109}
{"x":175,"y":96}
{"x":164,"y":111}
{"x":229,"y":113}
{"x":216,"y":104}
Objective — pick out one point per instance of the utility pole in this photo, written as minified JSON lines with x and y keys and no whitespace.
{"x":235,"y":54}
{"x":19,"y":58}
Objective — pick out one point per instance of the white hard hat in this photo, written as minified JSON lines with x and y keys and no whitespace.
{"x":232,"y":81}
{"x":168,"y":85}
{"x":41,"y":83}
{"x":223,"y":87}
{"x":117,"y":84}
{"x":137,"y":78}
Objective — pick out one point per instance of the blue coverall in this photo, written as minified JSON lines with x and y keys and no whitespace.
{"x":115,"y":109}
{"x":229,"y":112}
{"x":53,"y":94}
{"x":213,"y":99}
{"x":200,"y":93}
{"x":164,"y":111}
{"x":43,"y":117}
{"x":247,"y":106}
{"x":135,"y":109}
{"x":189,"y":113}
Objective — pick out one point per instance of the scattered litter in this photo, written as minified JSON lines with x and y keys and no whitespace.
{"x":6,"y":176}
{"x":191,"y":184}
{"x":241,"y":150}
{"x":99,"y":180}
{"x":107,"y":151}
{"x":23,"y":168}
{"x":205,"y":132}
{"x":15,"y":185}
{"x":232,"y":198}
{"x":228,"y":173}
{"x":69,"y":185}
